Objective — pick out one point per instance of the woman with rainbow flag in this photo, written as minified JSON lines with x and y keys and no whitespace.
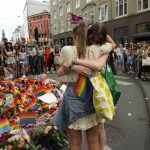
{"x":74,"y":113}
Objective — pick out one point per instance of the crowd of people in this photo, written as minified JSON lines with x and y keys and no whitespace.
{"x":130,"y":58}
{"x":92,"y":47}
{"x":22,"y":60}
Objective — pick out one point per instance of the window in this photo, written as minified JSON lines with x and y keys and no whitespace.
{"x":77,"y":4}
{"x":41,"y":26}
{"x":121,"y":8}
{"x":122,"y":31}
{"x":87,"y":1}
{"x":68,"y":24}
{"x":41,"y":17}
{"x":54,"y":14}
{"x":54,"y":2}
{"x":68,"y":7}
{"x":60,"y":11}
{"x":61,"y":27}
{"x":143,"y":4}
{"x":144,"y":27}
{"x":92,"y":16}
{"x":103,"y":13}
{"x":55,"y":29}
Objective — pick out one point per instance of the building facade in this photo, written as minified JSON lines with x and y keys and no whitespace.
{"x":33,"y":7}
{"x":16,"y":35}
{"x":126,"y":20}
{"x":42,"y":22}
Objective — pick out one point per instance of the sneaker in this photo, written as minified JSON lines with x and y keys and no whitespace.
{"x":53,"y":71}
{"x":136,"y":78}
{"x":47,"y":72}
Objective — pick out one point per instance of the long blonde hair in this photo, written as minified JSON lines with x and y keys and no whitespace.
{"x":80,"y":34}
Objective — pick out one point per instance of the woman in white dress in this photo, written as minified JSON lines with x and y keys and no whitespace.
{"x":75,"y":114}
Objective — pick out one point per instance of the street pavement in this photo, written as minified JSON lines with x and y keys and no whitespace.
{"x":130,"y":128}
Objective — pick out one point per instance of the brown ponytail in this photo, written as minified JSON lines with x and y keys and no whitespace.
{"x":80,"y":33}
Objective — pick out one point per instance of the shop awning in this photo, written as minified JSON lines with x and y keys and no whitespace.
{"x":139,"y":35}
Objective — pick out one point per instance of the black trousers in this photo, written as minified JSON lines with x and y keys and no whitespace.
{"x":51,"y":63}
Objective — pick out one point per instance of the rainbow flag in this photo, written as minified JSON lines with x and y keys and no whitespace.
{"x":4,"y":125}
{"x":83,"y":88}
{"x":45,"y":106}
{"x":41,"y":77}
{"x":31,"y":104}
{"x":14,"y":124}
{"x":39,"y":92}
{"x":27,"y":118}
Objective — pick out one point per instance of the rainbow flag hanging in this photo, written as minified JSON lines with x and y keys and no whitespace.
{"x":27,"y":118}
{"x":83,"y":88}
{"x":4,"y":125}
{"x":31,"y":104}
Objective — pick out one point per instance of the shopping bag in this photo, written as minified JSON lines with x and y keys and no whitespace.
{"x":102,"y":98}
{"x":83,"y":88}
{"x":146,"y":61}
{"x":112,"y":84}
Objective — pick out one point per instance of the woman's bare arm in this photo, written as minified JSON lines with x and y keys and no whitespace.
{"x":95,"y":65}
{"x":110,"y":40}
{"x":61,"y":71}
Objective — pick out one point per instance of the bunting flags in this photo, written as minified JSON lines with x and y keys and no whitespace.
{"x":75,"y":19}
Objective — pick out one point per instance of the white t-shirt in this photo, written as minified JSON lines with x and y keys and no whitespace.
{"x":93,"y":52}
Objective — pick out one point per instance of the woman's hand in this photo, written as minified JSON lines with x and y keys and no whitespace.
{"x":67,"y":64}
{"x":82,"y":70}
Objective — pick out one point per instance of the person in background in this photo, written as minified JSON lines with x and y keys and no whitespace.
{"x":32,"y":59}
{"x":10,"y":59}
{"x":112,"y":61}
{"x":40,"y":59}
{"x":120,"y":59}
{"x":23,"y":61}
{"x":145,"y":69}
{"x":57,"y":56}
{"x":51,"y":63}
{"x":17,"y":49}
{"x":46,"y":54}
{"x":4,"y":41}
{"x":130,"y":63}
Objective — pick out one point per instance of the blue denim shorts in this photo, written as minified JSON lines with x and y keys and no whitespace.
{"x":72,"y":108}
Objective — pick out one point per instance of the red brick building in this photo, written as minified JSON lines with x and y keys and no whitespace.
{"x":42,"y":22}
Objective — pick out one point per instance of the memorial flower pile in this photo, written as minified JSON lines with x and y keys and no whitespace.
{"x":26,"y":108}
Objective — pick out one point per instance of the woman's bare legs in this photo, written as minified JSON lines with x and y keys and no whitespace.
{"x":75,"y":139}
{"x":102,"y":136}
{"x":92,"y":138}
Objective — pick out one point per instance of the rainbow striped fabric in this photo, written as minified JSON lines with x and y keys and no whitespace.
{"x":31,"y":104}
{"x":44,"y":106}
{"x":39,"y":92}
{"x":4,"y":125}
{"x":14,"y":124}
{"x":83,"y":88}
{"x":27,"y":118}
